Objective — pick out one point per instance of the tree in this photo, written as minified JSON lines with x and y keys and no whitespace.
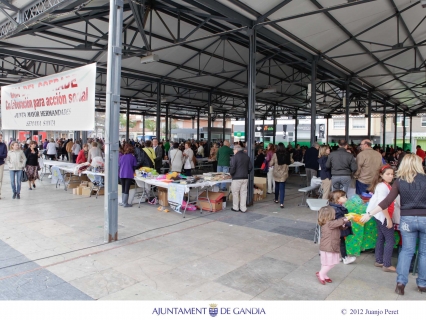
{"x":123,"y":122}
{"x":150,"y":125}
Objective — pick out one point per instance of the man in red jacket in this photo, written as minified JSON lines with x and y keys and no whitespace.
{"x":421,"y":153}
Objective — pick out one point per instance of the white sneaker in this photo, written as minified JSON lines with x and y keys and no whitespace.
{"x":349,"y":260}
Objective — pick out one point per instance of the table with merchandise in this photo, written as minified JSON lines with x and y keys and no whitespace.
{"x":201,"y":183}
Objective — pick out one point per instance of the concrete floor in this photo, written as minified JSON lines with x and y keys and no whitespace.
{"x":52,"y":249}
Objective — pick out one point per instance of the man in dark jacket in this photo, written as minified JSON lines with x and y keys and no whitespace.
{"x":240,"y":168}
{"x":3,"y":155}
{"x":158,"y":155}
{"x":297,"y":156}
{"x":311,"y":163}
{"x":342,"y":165}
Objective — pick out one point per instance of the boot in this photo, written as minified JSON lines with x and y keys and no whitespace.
{"x":125,"y":201}
{"x":122,"y":200}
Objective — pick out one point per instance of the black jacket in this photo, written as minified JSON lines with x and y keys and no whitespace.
{"x":158,"y":158}
{"x":143,"y":159}
{"x":311,"y":158}
{"x":297,"y":155}
{"x":341,"y":163}
{"x":240,"y":166}
{"x":340,"y":213}
{"x":325,"y":172}
{"x":259,"y":160}
{"x":32,"y":158}
{"x":3,"y":152}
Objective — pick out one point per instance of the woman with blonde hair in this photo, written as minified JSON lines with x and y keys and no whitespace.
{"x":16,"y":161}
{"x":410,"y":185}
{"x":325,"y":173}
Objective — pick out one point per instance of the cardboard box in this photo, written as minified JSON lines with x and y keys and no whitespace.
{"x":78,"y":191}
{"x":162,"y":196}
{"x":85,"y":191}
{"x":84,"y":183}
{"x":73,"y":185}
{"x":216,"y":200}
{"x":261,"y":183}
{"x":132,"y":198}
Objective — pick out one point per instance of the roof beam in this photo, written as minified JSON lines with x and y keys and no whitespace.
{"x":273,"y":10}
{"x":360,"y":44}
{"x":404,"y":25}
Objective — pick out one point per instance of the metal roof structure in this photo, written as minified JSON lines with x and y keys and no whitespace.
{"x":373,"y":49}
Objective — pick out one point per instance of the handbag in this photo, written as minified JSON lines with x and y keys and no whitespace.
{"x":396,"y":217}
{"x":24,"y":176}
{"x":265,"y":167}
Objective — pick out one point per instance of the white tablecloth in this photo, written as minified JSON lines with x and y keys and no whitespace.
{"x":162,"y":184}
{"x":315,"y":181}
{"x":296,"y":164}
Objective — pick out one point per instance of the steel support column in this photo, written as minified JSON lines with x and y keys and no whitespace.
{"x":369,"y":115}
{"x":224,"y":127}
{"x":112,"y":116}
{"x":404,"y":131}
{"x":198,"y":125}
{"x":274,"y":125}
{"x":127,"y":119}
{"x":143,"y":126}
{"x":313,"y":100}
{"x":384,"y":126}
{"x":395,"y":126}
{"x":251,"y":108}
{"x":347,"y":102}
{"x":263,"y":132}
{"x":296,"y":123}
{"x":209,"y":118}
{"x":167,"y":123}
{"x":158,"y":122}
{"x":328,"y":125}
{"x":193,"y":122}
{"x":84,"y":136}
{"x":274,"y":118}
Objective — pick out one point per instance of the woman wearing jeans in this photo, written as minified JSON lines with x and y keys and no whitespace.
{"x":280,"y":161}
{"x":16,"y":161}
{"x":410,"y":185}
{"x":270,"y":178}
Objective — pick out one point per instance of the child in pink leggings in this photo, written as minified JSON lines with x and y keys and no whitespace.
{"x":330,"y":241}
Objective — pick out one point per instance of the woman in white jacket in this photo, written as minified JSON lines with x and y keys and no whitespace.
{"x":176,"y":158}
{"x":16,"y":161}
{"x":385,"y":232}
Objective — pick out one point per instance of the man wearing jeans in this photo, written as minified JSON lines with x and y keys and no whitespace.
{"x":342,"y":165}
{"x":223,"y":160}
{"x":369,"y":163}
{"x":3,"y":155}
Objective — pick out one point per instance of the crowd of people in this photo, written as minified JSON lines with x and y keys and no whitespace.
{"x":386,"y":173}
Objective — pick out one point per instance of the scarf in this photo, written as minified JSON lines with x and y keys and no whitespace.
{"x":151,"y":154}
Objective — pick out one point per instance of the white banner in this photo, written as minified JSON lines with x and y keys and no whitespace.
{"x":62,"y":101}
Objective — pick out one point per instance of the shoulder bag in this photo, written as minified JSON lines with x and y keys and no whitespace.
{"x":24,"y":176}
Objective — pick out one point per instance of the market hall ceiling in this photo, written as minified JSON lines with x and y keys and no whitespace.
{"x":376,"y":47}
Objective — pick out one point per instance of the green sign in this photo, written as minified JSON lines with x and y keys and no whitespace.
{"x":239,"y":134}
